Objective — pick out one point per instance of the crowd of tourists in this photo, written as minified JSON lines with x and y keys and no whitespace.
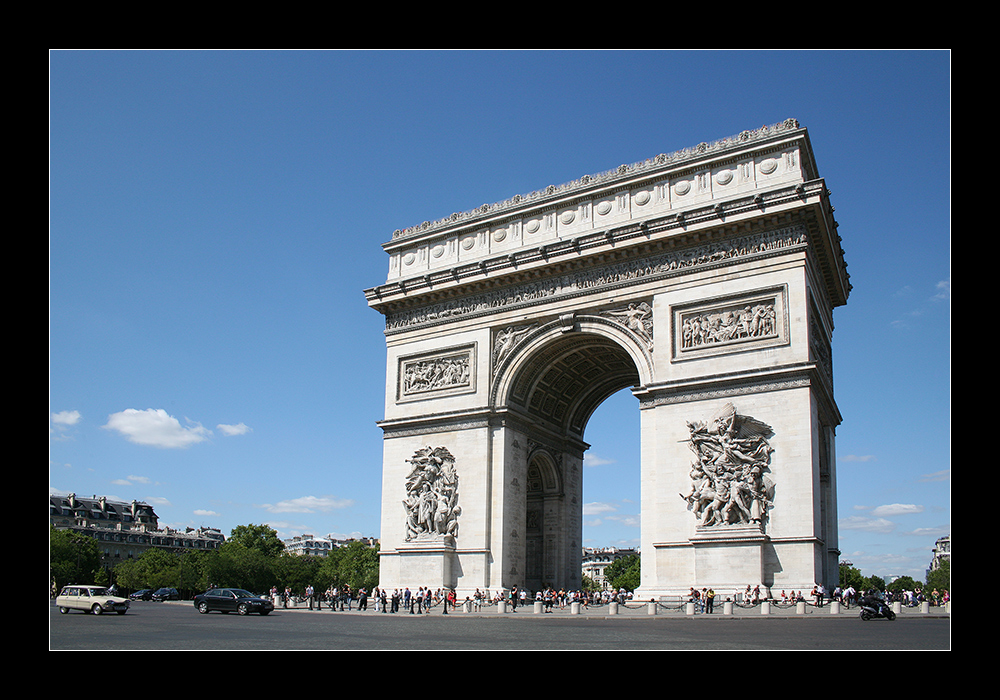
{"x":421,"y":601}
{"x":344,"y":598}
{"x":846,"y":596}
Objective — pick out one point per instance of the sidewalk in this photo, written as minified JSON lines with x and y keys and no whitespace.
{"x":638,"y":610}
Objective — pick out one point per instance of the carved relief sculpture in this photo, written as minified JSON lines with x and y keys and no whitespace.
{"x":638,"y":318}
{"x":431,"y":495}
{"x":749,"y":322}
{"x":730,"y":482}
{"x":436,"y":373}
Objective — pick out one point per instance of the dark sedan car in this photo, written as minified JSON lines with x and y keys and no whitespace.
{"x":232,"y":600}
{"x":166,"y":594}
{"x":144,"y":594}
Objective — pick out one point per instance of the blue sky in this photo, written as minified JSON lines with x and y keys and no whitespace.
{"x":215,"y":216}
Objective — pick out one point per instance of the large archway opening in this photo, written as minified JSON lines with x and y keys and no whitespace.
{"x":612,"y":482}
{"x":558,"y":388}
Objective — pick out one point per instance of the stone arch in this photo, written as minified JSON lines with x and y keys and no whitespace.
{"x":545,"y":498}
{"x":507,"y":326}
{"x":563,"y":370}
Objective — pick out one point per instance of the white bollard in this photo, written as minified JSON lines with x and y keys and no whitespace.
{"x":800,"y":608}
{"x":650,"y":608}
{"x":835,"y":607}
{"x":765,"y":608}
{"x":613,"y":608}
{"x":925,"y":607}
{"x":727,"y":608}
{"x":689,"y":608}
{"x":502,"y":606}
{"x":574,"y":609}
{"x":539,"y":607}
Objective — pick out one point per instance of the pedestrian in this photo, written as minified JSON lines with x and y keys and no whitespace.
{"x":709,"y":601}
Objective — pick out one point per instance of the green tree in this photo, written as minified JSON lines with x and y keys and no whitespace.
{"x":624,"y":572}
{"x":258,"y":537}
{"x":154,"y":568}
{"x":73,"y":558}
{"x":940,"y":578}
{"x":873,"y":583}
{"x":851,"y":576}
{"x":297,"y":571}
{"x":903,"y":583}
{"x":357,"y":565}
{"x":240,"y":567}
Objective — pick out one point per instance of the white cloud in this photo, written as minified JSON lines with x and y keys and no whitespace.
{"x":944,"y":475}
{"x":66,"y":418}
{"x":856,"y":458}
{"x":857,"y":522}
{"x":593,"y":460}
{"x":230,"y":430}
{"x":308,"y":504}
{"x":629,"y":520}
{"x":598,"y":508}
{"x":897,"y":509}
{"x":61,"y":423}
{"x":155,"y":428}
{"x":210,"y":513}
{"x":943,"y":291}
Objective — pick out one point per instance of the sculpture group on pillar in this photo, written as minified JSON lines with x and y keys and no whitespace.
{"x":729,"y":480}
{"x":431,"y":502}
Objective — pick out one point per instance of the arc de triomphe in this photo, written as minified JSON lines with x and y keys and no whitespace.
{"x":705,"y":280}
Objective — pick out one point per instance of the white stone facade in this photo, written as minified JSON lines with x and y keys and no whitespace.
{"x":706,"y":281}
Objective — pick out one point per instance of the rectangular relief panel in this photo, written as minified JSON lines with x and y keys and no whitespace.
{"x":440,"y":373}
{"x":737,"y":323}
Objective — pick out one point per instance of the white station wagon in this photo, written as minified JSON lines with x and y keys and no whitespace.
{"x":93,"y":599}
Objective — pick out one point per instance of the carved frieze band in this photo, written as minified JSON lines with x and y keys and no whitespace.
{"x":620,"y":274}
{"x":443,"y":372}
{"x":724,"y":389}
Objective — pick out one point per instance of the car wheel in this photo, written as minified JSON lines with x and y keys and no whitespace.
{"x":97,"y":610}
{"x":120,"y":612}
{"x":243,"y":609}
{"x":203,"y":608}
{"x":264,"y":612}
{"x":64,"y":610}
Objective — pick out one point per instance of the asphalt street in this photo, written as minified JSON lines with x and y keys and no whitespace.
{"x":178,"y":626}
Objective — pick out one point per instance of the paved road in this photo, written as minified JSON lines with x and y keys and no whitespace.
{"x":177,"y":626}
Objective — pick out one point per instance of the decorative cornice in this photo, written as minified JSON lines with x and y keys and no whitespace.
{"x":728,"y":385}
{"x":609,"y":276}
{"x":622,"y":173}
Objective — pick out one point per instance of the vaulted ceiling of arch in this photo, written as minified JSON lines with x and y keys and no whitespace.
{"x":566,"y":382}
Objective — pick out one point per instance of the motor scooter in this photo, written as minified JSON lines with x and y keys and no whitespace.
{"x":873,"y":608}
